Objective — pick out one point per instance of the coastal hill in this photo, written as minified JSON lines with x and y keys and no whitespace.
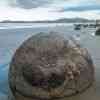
{"x":64,"y":20}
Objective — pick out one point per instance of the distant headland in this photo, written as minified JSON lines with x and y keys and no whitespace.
{"x":63,"y":20}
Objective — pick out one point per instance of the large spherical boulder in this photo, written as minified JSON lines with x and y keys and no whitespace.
{"x":49,"y":66}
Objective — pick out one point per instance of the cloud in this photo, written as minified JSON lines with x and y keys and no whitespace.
{"x":32,"y":10}
{"x":82,"y":8}
{"x":43,"y":14}
{"x":28,"y":4}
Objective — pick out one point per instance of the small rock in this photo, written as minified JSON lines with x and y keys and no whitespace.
{"x":97,"y":31}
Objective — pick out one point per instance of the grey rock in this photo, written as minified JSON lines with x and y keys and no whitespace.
{"x":49,"y":65}
{"x":97,"y":31}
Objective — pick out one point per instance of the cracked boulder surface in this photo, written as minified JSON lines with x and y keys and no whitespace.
{"x":49,"y":65}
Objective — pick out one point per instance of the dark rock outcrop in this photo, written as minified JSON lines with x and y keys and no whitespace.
{"x":49,"y":66}
{"x":97,"y":31}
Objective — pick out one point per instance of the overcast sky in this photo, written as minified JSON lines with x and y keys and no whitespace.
{"x":48,"y":9}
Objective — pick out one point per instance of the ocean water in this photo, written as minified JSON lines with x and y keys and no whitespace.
{"x":13,"y":35}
